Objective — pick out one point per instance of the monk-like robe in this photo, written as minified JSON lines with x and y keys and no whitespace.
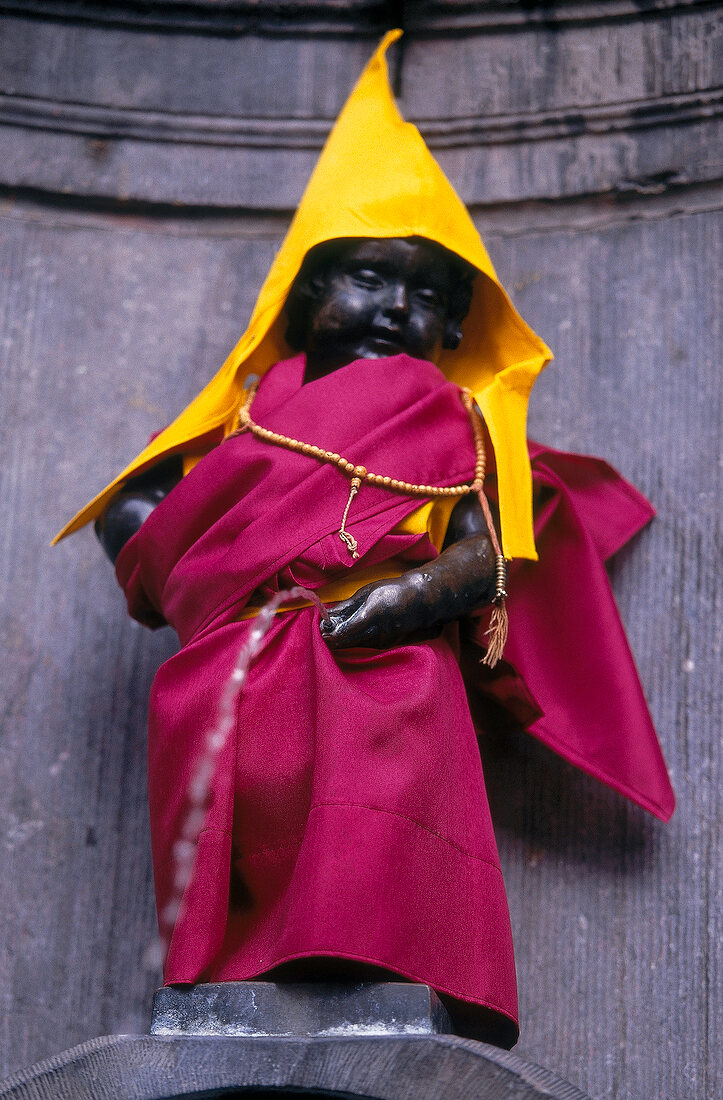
{"x":348,"y":815}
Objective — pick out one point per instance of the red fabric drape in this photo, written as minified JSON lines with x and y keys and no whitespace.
{"x":348,"y":814}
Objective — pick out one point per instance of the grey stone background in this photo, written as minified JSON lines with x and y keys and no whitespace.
{"x":150,"y":157}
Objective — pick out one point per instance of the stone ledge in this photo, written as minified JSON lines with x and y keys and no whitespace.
{"x":143,"y":1067}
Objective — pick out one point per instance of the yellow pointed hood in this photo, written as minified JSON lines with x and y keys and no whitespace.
{"x":376,"y":178}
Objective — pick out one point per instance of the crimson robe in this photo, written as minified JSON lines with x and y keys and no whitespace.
{"x":348,"y":815}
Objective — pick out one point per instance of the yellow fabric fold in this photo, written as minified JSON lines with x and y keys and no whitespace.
{"x":376,"y":178}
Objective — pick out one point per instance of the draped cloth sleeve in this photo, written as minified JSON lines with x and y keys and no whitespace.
{"x":569,"y":676}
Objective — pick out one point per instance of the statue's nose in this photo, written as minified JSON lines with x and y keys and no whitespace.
{"x":396,"y":303}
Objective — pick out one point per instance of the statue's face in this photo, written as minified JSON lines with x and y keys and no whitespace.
{"x":378,"y":298}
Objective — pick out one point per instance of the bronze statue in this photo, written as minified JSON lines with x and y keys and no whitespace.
{"x":343,"y":814}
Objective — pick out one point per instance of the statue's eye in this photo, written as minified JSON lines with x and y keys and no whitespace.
{"x":368,"y":278}
{"x":428,"y":297}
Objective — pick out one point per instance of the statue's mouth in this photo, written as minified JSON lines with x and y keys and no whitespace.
{"x":386,"y":340}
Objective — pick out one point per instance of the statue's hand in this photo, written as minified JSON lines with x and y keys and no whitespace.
{"x":383,"y":614}
{"x":417,"y":604}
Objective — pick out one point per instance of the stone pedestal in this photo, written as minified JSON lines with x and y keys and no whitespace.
{"x":323,"y":1009}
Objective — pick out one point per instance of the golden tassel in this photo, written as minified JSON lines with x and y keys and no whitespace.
{"x":499,"y":622}
{"x":497,"y":634}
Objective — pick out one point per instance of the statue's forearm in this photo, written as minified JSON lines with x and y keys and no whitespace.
{"x":457,"y":582}
{"x":462,"y":578}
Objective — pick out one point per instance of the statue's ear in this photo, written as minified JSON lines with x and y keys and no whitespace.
{"x":306,"y":291}
{"x":313,"y":287}
{"x":452,"y":336}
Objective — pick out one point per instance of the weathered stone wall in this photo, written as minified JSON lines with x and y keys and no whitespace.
{"x":150,"y":156}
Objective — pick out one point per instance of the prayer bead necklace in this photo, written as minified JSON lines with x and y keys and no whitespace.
{"x":359,"y":475}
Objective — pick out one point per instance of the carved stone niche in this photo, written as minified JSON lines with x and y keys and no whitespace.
{"x":183,"y":103}
{"x":235,"y":16}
